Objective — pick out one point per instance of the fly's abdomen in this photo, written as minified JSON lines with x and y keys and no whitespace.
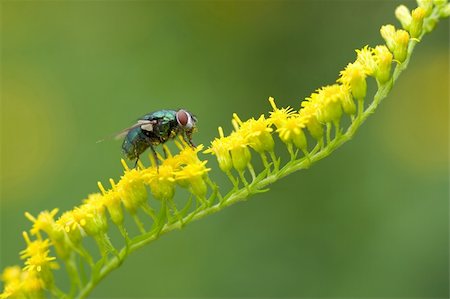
{"x":135,"y":143}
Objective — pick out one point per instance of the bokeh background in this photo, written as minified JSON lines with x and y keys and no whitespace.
{"x":371,"y":220}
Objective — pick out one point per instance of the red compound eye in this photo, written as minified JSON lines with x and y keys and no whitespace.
{"x":182,"y":118}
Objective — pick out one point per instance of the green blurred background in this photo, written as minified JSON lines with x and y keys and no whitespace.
{"x":369,"y":221}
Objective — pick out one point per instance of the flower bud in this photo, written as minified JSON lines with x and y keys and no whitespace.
{"x":404,"y":16}
{"x":401,"y":45}
{"x":221,"y":148}
{"x":291,"y":131}
{"x":366,"y":58}
{"x":329,"y":104}
{"x":384,"y":61}
{"x":111,"y":200}
{"x":240,"y":156}
{"x":415,"y":30}
{"x":93,"y":212}
{"x":355,"y":77}
{"x":224,"y":160}
{"x":314,"y":128}
{"x":347,"y":102}
{"x":131,"y":190}
{"x":162,"y":183}
{"x":439,"y":2}
{"x":445,"y":12}
{"x":427,"y":6}
{"x":192,"y":176}
{"x":388,"y":34}
{"x":70,"y":224}
{"x":263,"y":142}
{"x":300,"y":141}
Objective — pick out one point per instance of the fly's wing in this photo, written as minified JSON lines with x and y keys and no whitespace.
{"x":146,"y":125}
{"x":143,"y":123}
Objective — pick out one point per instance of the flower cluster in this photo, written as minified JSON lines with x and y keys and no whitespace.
{"x":328,"y":116}
{"x":65,"y":233}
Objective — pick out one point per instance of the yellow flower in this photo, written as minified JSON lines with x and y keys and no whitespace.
{"x":131,"y":188}
{"x":329,"y":103}
{"x":36,"y":255}
{"x":396,"y":41}
{"x":354,"y":76}
{"x":257,"y":133}
{"x":388,"y":33}
{"x":44,"y":222}
{"x":277,"y":116}
{"x":308,"y":112}
{"x":189,"y":155}
{"x":92,"y":214}
{"x":221,"y":149}
{"x":404,"y":16}
{"x":418,"y":15}
{"x":32,"y":285}
{"x":192,"y":176}
{"x":21,"y":284}
{"x":111,"y":200}
{"x":367,"y":60}
{"x":11,"y":274}
{"x":240,"y":154}
{"x":12,"y":290}
{"x":291,"y":131}
{"x":427,"y":5}
{"x":401,"y":45}
{"x":162,"y":181}
{"x":384,"y":61}
{"x":71,"y":225}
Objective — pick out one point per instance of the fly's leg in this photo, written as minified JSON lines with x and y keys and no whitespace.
{"x":137,"y":159}
{"x":166,"y":154}
{"x":155,"y":157}
{"x":188,"y":139}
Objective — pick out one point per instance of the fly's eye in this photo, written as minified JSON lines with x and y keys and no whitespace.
{"x":184,"y":119}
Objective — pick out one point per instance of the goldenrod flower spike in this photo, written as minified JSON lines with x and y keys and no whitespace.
{"x":316,"y":129}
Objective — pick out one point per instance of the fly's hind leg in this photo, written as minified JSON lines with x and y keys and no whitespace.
{"x":137,"y":159}
{"x":136,"y":163}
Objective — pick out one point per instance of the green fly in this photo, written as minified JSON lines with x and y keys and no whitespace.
{"x":157,"y":128}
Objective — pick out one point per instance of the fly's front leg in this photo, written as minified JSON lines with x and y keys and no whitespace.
{"x":166,"y":152}
{"x":188,"y":138}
